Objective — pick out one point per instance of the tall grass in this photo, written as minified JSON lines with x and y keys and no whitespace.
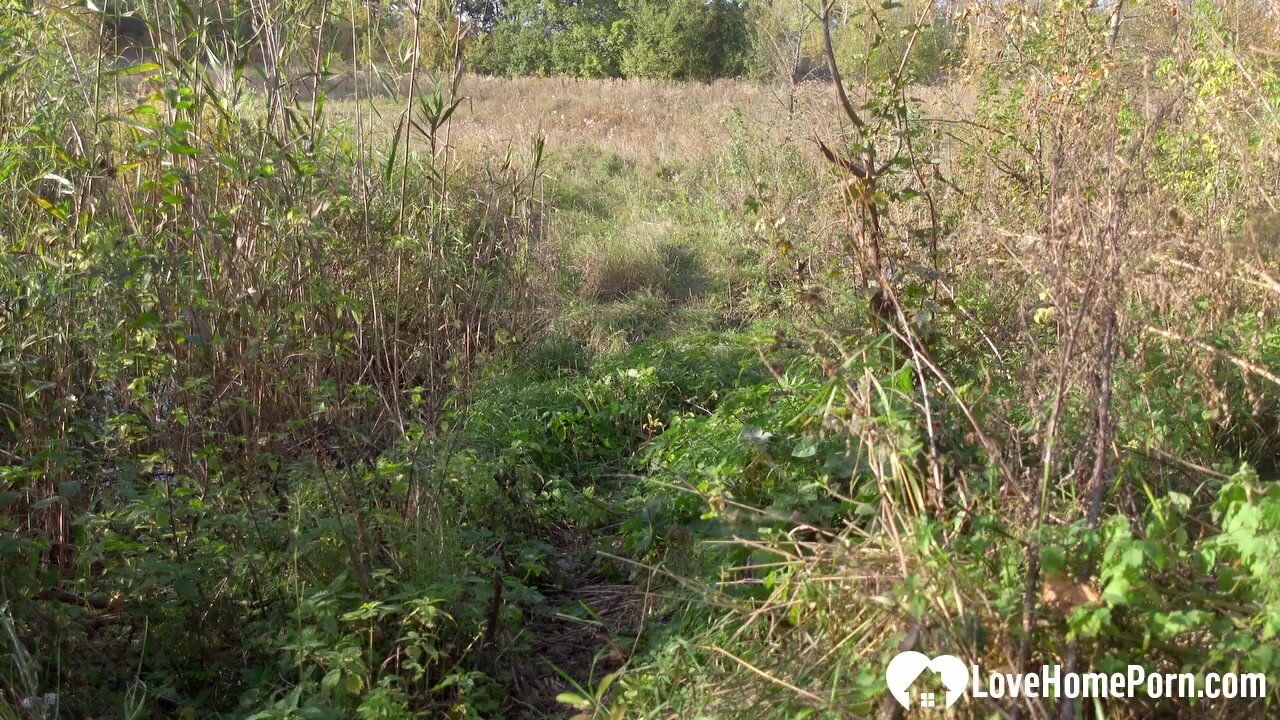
{"x":212,"y":296}
{"x":1037,"y":453}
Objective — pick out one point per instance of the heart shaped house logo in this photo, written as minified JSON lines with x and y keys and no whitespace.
{"x":906,"y":667}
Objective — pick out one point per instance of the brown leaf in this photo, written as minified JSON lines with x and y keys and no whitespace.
{"x":1062,"y":593}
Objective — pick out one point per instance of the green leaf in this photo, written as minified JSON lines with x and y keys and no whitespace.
{"x":605,"y":684}
{"x":573,"y":700}
{"x":391,"y":156}
{"x":7,"y":497}
{"x":137,"y":69}
{"x":35,"y":388}
{"x":1089,"y":622}
{"x":9,"y":71}
{"x":186,"y":589}
{"x":147,"y":319}
{"x":47,"y":502}
{"x":1169,"y":625}
{"x":1054,"y":559}
{"x":806,"y":448}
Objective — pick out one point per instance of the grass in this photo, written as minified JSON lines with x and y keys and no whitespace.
{"x":645,"y":123}
{"x":301,"y":421}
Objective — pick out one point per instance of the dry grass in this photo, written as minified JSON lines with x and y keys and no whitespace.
{"x":645,"y":122}
{"x":638,"y":120}
{"x":617,"y":267}
{"x":642,"y":256}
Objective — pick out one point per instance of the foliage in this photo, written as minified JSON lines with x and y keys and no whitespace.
{"x":306,"y":413}
{"x":605,"y":38}
{"x":211,"y":303}
{"x":687,"y":40}
{"x":540,"y":37}
{"x":875,"y":45}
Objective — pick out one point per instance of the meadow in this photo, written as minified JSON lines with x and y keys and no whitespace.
{"x":333,"y":391}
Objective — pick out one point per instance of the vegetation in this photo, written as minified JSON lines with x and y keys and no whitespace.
{"x":336,"y":381}
{"x":683,"y":39}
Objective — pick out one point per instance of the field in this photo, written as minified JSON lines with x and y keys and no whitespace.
{"x":476,"y":397}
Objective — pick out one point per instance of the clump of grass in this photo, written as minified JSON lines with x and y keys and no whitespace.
{"x":642,"y":257}
{"x":610,"y":327}
{"x":621,"y":266}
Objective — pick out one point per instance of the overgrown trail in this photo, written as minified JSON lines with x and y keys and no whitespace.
{"x":575,"y":453}
{"x":641,"y":339}
{"x":582,"y":633}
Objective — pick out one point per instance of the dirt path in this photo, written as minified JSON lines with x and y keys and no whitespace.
{"x":584,"y":630}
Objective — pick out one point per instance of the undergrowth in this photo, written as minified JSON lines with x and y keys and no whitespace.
{"x":313,"y":413}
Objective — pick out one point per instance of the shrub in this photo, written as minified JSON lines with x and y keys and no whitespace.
{"x":687,"y":40}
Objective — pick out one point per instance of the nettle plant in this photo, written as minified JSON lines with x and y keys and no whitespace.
{"x":1183,"y":593}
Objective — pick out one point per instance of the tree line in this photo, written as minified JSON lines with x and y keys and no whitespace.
{"x":669,"y":39}
{"x":656,"y":39}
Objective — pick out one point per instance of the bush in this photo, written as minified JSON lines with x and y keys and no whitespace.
{"x":535,"y":37}
{"x":687,"y":40}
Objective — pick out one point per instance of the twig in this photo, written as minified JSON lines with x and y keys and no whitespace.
{"x":1161,"y":456}
{"x":889,"y":708}
{"x":96,"y":603}
{"x":1241,"y":363}
{"x":834,"y":68}
{"x":776,"y":681}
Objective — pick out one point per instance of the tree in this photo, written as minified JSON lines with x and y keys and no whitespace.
{"x":481,"y":14}
{"x":687,"y":39}
{"x":778,"y":32}
{"x":582,"y":38}
{"x":693,"y":39}
{"x":873,"y":44}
